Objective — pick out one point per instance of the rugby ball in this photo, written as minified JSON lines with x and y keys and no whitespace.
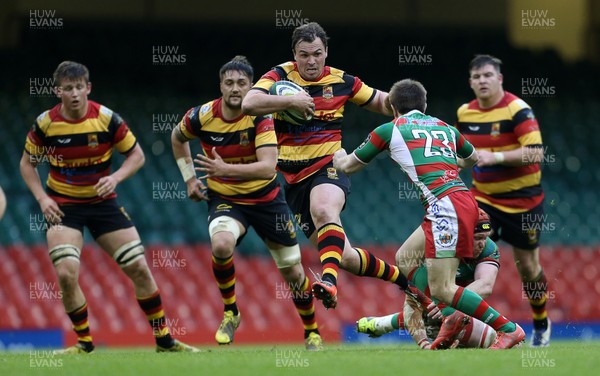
{"x":283,"y":88}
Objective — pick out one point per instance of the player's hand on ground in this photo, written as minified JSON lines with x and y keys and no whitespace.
{"x":304,"y":103}
{"x":51,"y":211}
{"x":434,"y":312}
{"x":486,"y":158}
{"x":338,"y":156}
{"x":196,"y":190}
{"x":106,"y":186}
{"x":211,"y":167}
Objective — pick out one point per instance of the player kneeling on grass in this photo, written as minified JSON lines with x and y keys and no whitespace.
{"x":477,"y":274}
{"x":430,"y":151}
{"x":240,"y":155}
{"x":77,"y":138}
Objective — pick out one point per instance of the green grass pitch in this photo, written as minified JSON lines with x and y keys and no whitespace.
{"x":562,"y":358}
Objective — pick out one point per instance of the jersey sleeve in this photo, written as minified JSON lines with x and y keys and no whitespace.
{"x":265,"y":132}
{"x":490,"y":254}
{"x":527,"y":129}
{"x":464,"y":148}
{"x":267,"y":80}
{"x":190,"y":125}
{"x":36,"y":137}
{"x":376,"y":142}
{"x":123,"y":139}
{"x":362,"y":94}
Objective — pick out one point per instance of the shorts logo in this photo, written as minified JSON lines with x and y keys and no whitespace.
{"x":531,"y":236}
{"x":223,"y":208}
{"x":445,"y":240}
{"x":290,"y":226}
{"x":125,"y":213}
{"x":495,"y":130}
{"x":92,"y":141}
{"x":244,"y":139}
{"x":332,"y":173}
{"x":327,"y":92}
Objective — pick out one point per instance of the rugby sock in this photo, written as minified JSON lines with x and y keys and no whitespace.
{"x":537,"y":293}
{"x":389,"y":323}
{"x":371,"y":266}
{"x":224,"y":272}
{"x":305,"y":305}
{"x":152,"y":307}
{"x":330,"y":242}
{"x":81,"y":326}
{"x":473,"y":305}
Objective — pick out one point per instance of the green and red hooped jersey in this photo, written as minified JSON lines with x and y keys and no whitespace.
{"x":425,"y":147}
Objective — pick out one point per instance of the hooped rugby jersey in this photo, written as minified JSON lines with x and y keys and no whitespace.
{"x":508,"y":125}
{"x":425,"y":148}
{"x":79,"y":151}
{"x":236,"y":141}
{"x":304,"y":149}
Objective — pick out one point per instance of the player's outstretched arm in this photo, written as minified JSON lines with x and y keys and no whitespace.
{"x":413,"y":319}
{"x":381,"y":104}
{"x":348,"y":164}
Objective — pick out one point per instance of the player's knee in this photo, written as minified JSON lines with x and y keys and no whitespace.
{"x":129,"y":254}
{"x":65,"y":252}
{"x":223,"y":244}
{"x":322,"y":213}
{"x":286,"y":257}
{"x":441,"y":292}
{"x":224,"y":232}
{"x":138,"y":272}
{"x":67,"y":274}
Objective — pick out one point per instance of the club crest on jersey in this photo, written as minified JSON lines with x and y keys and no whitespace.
{"x":495,"y":130}
{"x":92,"y":141}
{"x":332,"y":173}
{"x":244,"y":139}
{"x":328,"y":92}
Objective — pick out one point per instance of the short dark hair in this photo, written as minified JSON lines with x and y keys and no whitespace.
{"x":407,"y":95}
{"x":70,"y":70}
{"x":238,"y":63}
{"x":308,"y":33}
{"x":481,"y":60}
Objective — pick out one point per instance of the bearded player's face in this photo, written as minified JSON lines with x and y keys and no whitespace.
{"x":310,"y":57}
{"x":234,"y":87}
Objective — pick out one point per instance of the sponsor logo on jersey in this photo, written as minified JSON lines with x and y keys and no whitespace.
{"x":217,"y":139}
{"x":474,"y":128}
{"x":64,"y":140}
{"x":204,"y":109}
